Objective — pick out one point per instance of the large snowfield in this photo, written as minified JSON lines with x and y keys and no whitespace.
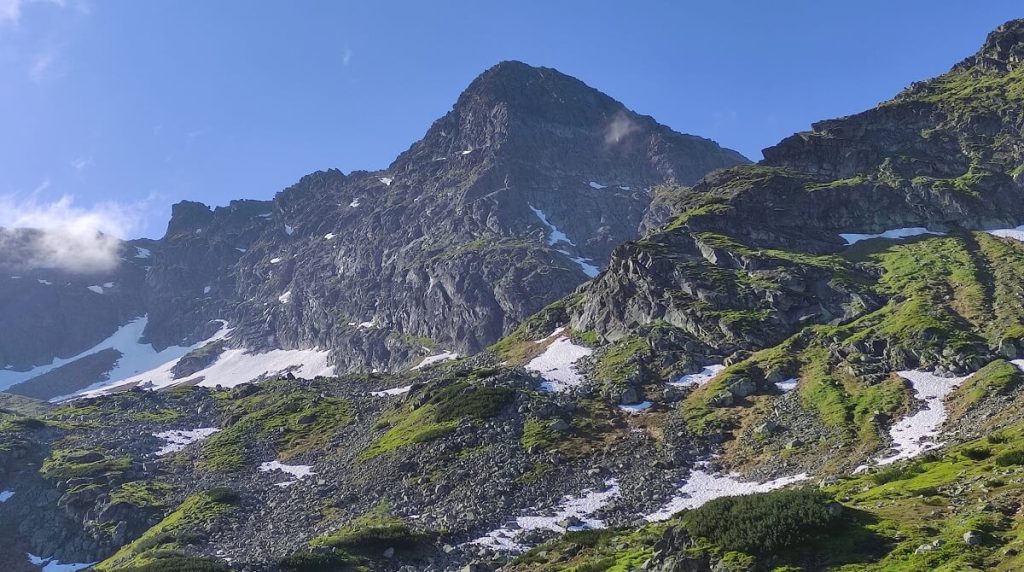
{"x":152,"y":370}
{"x":136,"y":355}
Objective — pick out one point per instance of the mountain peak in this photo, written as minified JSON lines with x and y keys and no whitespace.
{"x":539,"y":115}
{"x":1003,"y":49}
{"x":538,"y":91}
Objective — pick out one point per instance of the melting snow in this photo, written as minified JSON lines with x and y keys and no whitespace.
{"x":275,"y":260}
{"x":6,"y":495}
{"x":44,"y":282}
{"x":179,"y":439}
{"x":703,"y":486}
{"x":142,"y":252}
{"x":556,"y":365}
{"x":289,"y":230}
{"x":637,"y":408}
{"x":595,"y":185}
{"x":915,"y":434}
{"x":584,"y":264}
{"x":299,"y":472}
{"x":555,"y":236}
{"x":354,"y":203}
{"x":266,"y":215}
{"x":96,"y":289}
{"x":466,"y":152}
{"x":581,"y":507}
{"x":329,"y":236}
{"x":386,"y":180}
{"x":206,"y":289}
{"x":51,"y":565}
{"x":895,"y":234}
{"x":787,"y":385}
{"x":285,"y":298}
{"x":698,"y":379}
{"x":136,"y":356}
{"x":392,"y":391}
{"x":234,"y":367}
{"x":364,"y":325}
{"x":1014,"y":233}
{"x":242,"y":250}
{"x":443,"y":356}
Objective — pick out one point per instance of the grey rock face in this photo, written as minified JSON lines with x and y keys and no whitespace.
{"x":508,"y":203}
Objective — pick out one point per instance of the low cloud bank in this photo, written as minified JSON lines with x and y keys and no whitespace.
{"x":60,"y":235}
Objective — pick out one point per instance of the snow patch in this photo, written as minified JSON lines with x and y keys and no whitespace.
{"x":285,"y":298}
{"x":915,"y":434}
{"x":44,"y":282}
{"x":329,"y":236}
{"x":584,"y":264}
{"x":443,"y":356}
{"x":6,"y":495}
{"x":700,"y":378}
{"x":555,"y":236}
{"x":365,"y":325}
{"x":555,"y":365}
{"x":354,"y":203}
{"x":787,"y":385}
{"x":393,"y":391}
{"x":1014,"y":233}
{"x":96,"y":288}
{"x":298,"y":472}
{"x":179,"y":439}
{"x":596,"y":185}
{"x":51,"y":565}
{"x":704,"y":485}
{"x":581,"y":508}
{"x":206,"y":289}
{"x":636,"y":408}
{"x":894,"y":234}
{"x":275,"y":260}
{"x":386,"y":180}
{"x":289,"y":230}
{"x":142,"y":252}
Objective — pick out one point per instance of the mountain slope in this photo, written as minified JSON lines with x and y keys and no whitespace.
{"x":510,"y":201}
{"x":846,"y":314}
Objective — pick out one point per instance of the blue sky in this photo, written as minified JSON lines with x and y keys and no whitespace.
{"x":116,"y":109}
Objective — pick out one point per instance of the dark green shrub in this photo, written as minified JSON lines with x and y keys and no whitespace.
{"x":977,"y":453}
{"x":318,"y":562}
{"x":1008,"y":458}
{"x":181,"y":564}
{"x":764,"y":523}
{"x":897,"y":473}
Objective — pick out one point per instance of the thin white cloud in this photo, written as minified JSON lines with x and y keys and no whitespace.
{"x":42,"y":63}
{"x":346,"y":56}
{"x":81,"y":163}
{"x":10,"y":11}
{"x":66,"y":236}
{"x":619,"y":128}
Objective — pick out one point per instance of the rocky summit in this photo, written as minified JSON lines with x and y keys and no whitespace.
{"x":552,"y":335}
